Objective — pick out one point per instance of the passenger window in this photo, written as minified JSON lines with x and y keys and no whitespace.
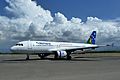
{"x":17,"y":44}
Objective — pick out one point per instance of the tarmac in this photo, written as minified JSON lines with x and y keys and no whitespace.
{"x":15,"y":67}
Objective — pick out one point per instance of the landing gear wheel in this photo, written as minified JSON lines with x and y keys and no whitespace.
{"x":56,"y":56}
{"x":27,"y":58}
{"x":69,"y":57}
{"x":41,"y":56}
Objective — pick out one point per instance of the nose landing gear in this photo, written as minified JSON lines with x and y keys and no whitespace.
{"x":27,"y":58}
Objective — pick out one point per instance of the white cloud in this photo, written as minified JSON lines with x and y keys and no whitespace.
{"x":27,"y":20}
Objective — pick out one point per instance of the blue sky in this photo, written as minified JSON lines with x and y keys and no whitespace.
{"x":103,"y":9}
{"x":2,"y":5}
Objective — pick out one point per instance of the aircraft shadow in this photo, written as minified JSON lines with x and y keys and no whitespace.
{"x":50,"y":59}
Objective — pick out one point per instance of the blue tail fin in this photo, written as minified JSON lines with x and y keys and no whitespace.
{"x":92,"y":38}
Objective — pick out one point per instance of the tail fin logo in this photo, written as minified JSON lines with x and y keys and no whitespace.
{"x":92,"y":38}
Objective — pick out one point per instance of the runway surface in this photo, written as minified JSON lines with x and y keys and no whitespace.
{"x":15,"y":67}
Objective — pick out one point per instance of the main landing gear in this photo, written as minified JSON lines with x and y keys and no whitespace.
{"x":69,"y":57}
{"x":43,"y":56}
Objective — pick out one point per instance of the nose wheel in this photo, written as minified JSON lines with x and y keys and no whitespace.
{"x":27,"y":58}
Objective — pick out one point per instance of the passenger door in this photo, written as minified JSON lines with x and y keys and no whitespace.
{"x":30,"y":45}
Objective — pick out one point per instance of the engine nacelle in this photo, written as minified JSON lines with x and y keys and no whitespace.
{"x":62,"y":53}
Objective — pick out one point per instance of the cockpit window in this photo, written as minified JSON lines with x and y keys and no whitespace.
{"x":19,"y":44}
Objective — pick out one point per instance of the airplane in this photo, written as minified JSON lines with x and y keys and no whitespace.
{"x":58,"y":49}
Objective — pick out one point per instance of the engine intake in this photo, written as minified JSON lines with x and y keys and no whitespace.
{"x":62,"y":53}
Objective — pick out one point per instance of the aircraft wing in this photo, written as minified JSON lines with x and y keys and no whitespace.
{"x":71,"y":48}
{"x":77,"y":48}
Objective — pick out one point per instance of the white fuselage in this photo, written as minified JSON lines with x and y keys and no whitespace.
{"x":47,"y":47}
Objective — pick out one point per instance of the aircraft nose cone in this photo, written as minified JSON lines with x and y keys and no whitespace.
{"x":12,"y":48}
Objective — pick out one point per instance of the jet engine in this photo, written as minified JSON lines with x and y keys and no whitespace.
{"x":62,"y":53}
